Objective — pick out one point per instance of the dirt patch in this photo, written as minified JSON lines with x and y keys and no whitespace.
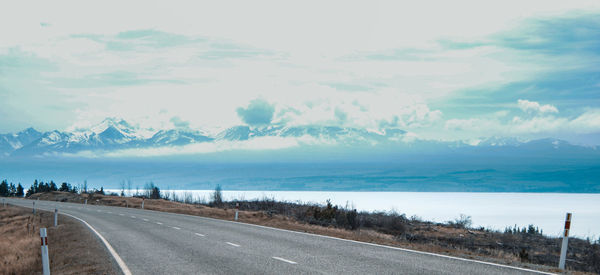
{"x":72,"y":247}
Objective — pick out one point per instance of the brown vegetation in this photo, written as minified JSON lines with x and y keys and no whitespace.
{"x":526,"y":248}
{"x":72,"y":247}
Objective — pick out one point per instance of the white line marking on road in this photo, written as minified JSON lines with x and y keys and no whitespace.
{"x":98,"y":210}
{"x":158,"y":222}
{"x":109,"y":212}
{"x":201,"y":235}
{"x":365,"y":243}
{"x":112,"y":251}
{"x":133,"y":217}
{"x":335,"y":238}
{"x":145,"y":220}
{"x":121,"y":215}
{"x":175,"y":227}
{"x":284,"y":260}
{"x":232,"y":244}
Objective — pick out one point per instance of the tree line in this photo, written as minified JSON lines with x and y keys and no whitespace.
{"x":10,"y":190}
{"x":40,"y":187}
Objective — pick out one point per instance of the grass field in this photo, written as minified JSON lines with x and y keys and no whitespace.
{"x":72,"y":247}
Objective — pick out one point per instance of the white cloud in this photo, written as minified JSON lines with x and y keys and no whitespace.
{"x":255,"y":144}
{"x":303,"y":55}
{"x":588,"y":122}
{"x":528,"y":127}
{"x":368,"y":110}
{"x":535,"y":107}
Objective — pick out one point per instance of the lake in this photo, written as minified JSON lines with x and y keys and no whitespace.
{"x":490,"y":210}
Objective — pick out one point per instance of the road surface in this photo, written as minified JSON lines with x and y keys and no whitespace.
{"x":151,"y":242}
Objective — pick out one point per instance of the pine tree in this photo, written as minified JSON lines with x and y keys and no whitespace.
{"x":64,"y":187}
{"x":52,"y":186}
{"x":12,"y":190}
{"x":4,"y":189}
{"x":20,"y":190}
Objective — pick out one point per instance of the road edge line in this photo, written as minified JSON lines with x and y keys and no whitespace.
{"x":347,"y":240}
{"x":112,"y":251}
{"x":365,"y":243}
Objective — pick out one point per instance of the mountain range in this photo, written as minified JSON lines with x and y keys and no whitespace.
{"x":117,"y":134}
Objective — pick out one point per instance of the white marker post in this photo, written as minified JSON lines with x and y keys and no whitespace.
{"x":565,"y":243}
{"x":85,"y":202}
{"x":45,"y":259}
{"x":4,"y":202}
{"x":143,"y":199}
{"x":55,"y":217}
{"x":34,"y":207}
{"x":237,"y":209}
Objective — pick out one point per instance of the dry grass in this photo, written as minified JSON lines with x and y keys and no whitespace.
{"x":19,"y":245}
{"x":72,"y":247}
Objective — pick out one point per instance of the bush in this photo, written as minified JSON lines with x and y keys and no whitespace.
{"x":217,"y":196}
{"x":463,"y":221}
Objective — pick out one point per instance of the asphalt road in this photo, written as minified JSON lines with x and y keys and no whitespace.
{"x":151,"y":242}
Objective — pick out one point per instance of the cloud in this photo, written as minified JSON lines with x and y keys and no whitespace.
{"x":151,"y":40}
{"x":254,"y":144}
{"x":258,"y":113}
{"x":197,"y":65}
{"x":537,"y":126}
{"x":363,"y":110}
{"x":535,"y":107}
{"x":588,"y":122}
{"x":179,"y":123}
{"x":557,"y":36}
{"x":574,"y":33}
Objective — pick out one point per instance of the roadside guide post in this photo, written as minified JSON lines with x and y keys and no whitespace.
{"x":565,"y":242}
{"x":55,"y":217}
{"x":237,"y":209}
{"x":45,"y":260}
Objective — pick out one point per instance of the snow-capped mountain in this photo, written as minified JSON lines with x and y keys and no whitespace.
{"x":500,"y":141}
{"x":116,"y":134}
{"x":348,"y":136}
{"x":177,"y":137}
{"x":235,"y":133}
{"x":11,"y":142}
{"x":110,"y":131}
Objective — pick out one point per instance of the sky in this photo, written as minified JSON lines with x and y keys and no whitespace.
{"x":443,"y":70}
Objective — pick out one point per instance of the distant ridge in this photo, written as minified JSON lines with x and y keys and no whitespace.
{"x":117,"y":134}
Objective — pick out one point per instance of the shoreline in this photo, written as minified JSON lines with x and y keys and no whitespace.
{"x":490,"y":210}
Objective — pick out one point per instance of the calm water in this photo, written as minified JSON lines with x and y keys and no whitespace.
{"x":492,"y":210}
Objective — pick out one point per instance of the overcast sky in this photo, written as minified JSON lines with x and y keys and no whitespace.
{"x":441,"y":70}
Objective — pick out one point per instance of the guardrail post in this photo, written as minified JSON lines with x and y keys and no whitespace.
{"x":4,"y":202}
{"x":34,"y":207}
{"x":237,"y":208}
{"x":565,"y":243}
{"x":55,"y":217}
{"x":45,"y":259}
{"x":143,"y":199}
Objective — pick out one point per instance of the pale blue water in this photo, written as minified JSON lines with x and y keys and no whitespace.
{"x":491,"y":210}
{"x":496,"y":192}
{"x":434,"y":175}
